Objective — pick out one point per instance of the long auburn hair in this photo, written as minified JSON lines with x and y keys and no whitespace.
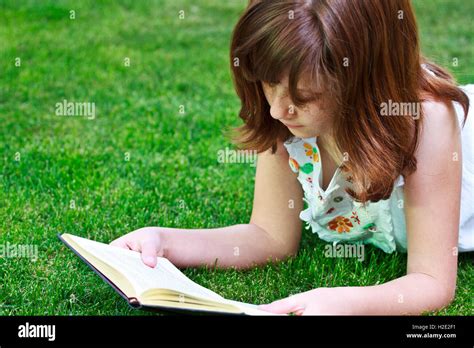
{"x":367,"y":53}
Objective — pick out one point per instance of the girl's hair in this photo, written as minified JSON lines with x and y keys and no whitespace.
{"x":364,"y":53}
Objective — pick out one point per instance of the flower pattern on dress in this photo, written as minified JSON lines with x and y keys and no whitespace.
{"x":294,"y":165}
{"x":340,"y":224}
{"x":330,"y":210}
{"x":307,"y":168}
{"x":332,"y":214}
{"x":355,"y":217}
{"x":371,"y":227}
{"x":311,"y":151}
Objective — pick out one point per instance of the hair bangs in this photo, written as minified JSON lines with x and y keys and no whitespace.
{"x":278,"y":45}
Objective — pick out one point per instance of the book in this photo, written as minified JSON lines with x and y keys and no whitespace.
{"x":162,"y":288}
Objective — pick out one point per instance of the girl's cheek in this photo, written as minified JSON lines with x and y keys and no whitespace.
{"x":269,"y":97}
{"x":306,"y":109}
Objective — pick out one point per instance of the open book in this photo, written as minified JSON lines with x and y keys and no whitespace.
{"x":163,"y":287}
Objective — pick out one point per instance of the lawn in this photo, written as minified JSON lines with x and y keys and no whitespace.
{"x":149,"y":157}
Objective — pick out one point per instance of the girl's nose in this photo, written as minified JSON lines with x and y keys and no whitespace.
{"x":281,"y":108}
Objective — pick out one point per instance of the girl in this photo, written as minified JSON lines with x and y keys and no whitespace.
{"x":346,"y":114}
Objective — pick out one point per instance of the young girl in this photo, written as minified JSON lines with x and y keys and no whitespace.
{"x":346,"y":114}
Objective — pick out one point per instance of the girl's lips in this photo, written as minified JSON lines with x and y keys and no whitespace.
{"x":292,"y":126}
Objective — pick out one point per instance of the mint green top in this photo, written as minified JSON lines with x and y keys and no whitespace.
{"x":334,"y":215}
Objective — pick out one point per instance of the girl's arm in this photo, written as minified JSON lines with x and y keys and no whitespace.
{"x":432,"y":208}
{"x":273,"y":233}
{"x":240,"y":246}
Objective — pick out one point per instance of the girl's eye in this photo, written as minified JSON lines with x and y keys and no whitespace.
{"x":311,"y":98}
{"x":272,"y":84}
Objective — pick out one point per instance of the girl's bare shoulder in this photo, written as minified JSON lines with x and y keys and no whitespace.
{"x":439,"y":136}
{"x":440,"y":121}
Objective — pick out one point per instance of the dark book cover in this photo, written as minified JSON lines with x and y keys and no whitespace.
{"x":134,"y":302}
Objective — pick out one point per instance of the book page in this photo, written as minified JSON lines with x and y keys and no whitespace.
{"x":128,"y":262}
{"x":250,"y":309}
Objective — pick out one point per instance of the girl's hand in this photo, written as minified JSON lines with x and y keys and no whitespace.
{"x":320,"y":301}
{"x":145,"y":240}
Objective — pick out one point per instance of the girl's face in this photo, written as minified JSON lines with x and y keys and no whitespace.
{"x":312,"y":119}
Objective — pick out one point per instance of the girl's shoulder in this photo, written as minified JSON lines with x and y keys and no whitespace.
{"x":439,"y":138}
{"x":440,"y":119}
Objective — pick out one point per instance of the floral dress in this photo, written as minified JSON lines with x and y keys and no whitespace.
{"x":334,"y":215}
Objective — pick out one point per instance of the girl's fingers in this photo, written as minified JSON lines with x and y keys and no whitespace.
{"x":286,"y":305}
{"x":149,"y":253}
{"x":146,"y":245}
{"x":119,"y":242}
{"x":133,"y":245}
{"x":300,"y":311}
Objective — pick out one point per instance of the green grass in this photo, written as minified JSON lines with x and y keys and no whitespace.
{"x":172,"y":156}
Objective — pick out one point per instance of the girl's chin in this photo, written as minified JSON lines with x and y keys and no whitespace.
{"x":302,"y":133}
{"x":298,"y":130}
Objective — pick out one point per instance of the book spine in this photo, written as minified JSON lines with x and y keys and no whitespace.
{"x":104,"y":278}
{"x":134,"y":303}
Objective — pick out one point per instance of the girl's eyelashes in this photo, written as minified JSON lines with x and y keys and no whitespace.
{"x":311,"y":97}
{"x":307,"y":97}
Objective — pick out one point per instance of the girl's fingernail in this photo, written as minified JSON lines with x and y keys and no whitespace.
{"x":150,"y":261}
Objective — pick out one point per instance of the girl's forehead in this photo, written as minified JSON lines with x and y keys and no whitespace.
{"x":305,"y":82}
